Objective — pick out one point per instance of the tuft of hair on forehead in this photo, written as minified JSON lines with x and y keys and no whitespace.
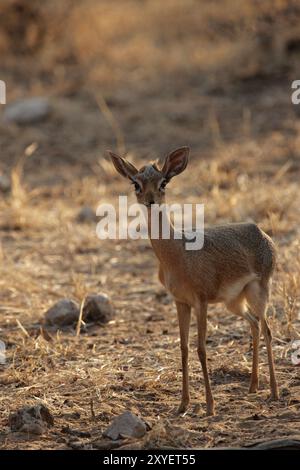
{"x":149,"y":171}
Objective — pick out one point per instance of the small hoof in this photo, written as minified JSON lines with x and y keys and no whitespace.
{"x":253,"y":388}
{"x":274,"y":396}
{"x":181,"y":409}
{"x":210,"y":406}
{"x":210,"y":412}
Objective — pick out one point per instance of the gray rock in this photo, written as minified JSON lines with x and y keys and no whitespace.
{"x":5,"y":184}
{"x":64,"y":313}
{"x":31,"y":419}
{"x":97,"y":308}
{"x":163,"y":297}
{"x":86,"y":215}
{"x":126,"y":425}
{"x":27,"y":111}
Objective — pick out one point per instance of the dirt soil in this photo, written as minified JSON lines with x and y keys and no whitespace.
{"x":143,"y":78}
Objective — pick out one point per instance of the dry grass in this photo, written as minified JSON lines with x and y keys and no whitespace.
{"x":166,"y":75}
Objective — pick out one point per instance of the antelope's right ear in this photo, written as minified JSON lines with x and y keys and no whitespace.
{"x":175,"y":162}
{"x":122,"y":166}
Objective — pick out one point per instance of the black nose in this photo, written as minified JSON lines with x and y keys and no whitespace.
{"x":151,"y":202}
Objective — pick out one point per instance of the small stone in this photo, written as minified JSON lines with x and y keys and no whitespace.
{"x":64,"y":313}
{"x":126,"y":425}
{"x":86,"y":215}
{"x":97,"y":308}
{"x":31,"y":419}
{"x":163,"y":297}
{"x":27,"y":111}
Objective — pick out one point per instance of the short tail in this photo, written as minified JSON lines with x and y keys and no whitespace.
{"x":268,"y":258}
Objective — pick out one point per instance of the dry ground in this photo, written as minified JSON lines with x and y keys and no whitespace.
{"x":145,"y":77}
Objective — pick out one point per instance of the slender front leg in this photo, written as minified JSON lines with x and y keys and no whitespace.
{"x":184,"y":319}
{"x":202,"y":327}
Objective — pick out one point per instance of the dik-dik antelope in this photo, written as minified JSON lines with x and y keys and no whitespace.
{"x":234,"y":267}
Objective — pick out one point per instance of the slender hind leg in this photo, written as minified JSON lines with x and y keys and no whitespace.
{"x":201,"y":312}
{"x":257,"y":296}
{"x":184,"y":318}
{"x":255,"y":331}
{"x":238,"y":308}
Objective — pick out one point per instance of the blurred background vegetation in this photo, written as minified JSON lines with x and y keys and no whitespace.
{"x":146,"y":75}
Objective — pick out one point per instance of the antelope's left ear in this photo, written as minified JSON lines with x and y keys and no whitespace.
{"x":175,"y":162}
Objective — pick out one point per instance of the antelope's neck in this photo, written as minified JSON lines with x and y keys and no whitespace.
{"x":166,"y":249}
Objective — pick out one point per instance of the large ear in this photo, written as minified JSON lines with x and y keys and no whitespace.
{"x":122,"y":166}
{"x":175,"y":162}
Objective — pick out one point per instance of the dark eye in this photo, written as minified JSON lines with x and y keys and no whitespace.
{"x":137,"y":187}
{"x":163,"y":186}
